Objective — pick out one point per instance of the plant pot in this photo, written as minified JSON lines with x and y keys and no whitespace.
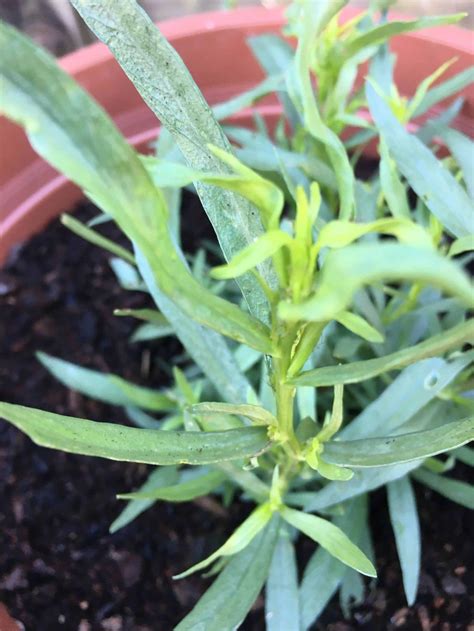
{"x":33,"y":193}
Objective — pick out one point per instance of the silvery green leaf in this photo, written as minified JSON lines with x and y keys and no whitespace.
{"x":364,"y":480}
{"x":455,"y":490}
{"x":406,"y":527}
{"x":178,"y":490}
{"x":389,"y":450}
{"x":416,"y":386}
{"x":282,"y":611}
{"x":430,"y":180}
{"x":97,"y":158}
{"x":162,"y":476}
{"x":462,"y":148}
{"x":106,"y":387}
{"x":323,"y":573}
{"x":167,"y":87}
{"x":226,"y":603}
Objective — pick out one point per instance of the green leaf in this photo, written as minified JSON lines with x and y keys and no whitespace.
{"x":313,"y":19}
{"x":108,"y":388}
{"x":265,"y":195}
{"x":364,"y":480}
{"x":275,"y":55}
{"x":282,"y":611}
{"x":465,"y":454}
{"x":380,"y":452}
{"x":95,"y":238}
{"x":323,"y":573}
{"x":167,"y":87}
{"x":426,"y":175}
{"x":162,"y":476}
{"x":207,"y":348}
{"x":255,"y":413}
{"x":127,"y":275}
{"x":333,"y":423}
{"x":463,"y":244}
{"x":331,"y":538}
{"x":179,"y":491}
{"x":150,"y":331}
{"x":249,"y":97}
{"x":226,"y":603}
{"x":381,"y":33}
{"x":444,"y":90}
{"x":462,"y":148}
{"x":359,"y":326}
{"x":149,"y":315}
{"x":52,"y":108}
{"x":416,"y":386}
{"x":338,"y":234}
{"x":261,"y":249}
{"x":392,"y":186}
{"x":260,"y":153}
{"x":455,"y":490}
{"x":238,"y":541}
{"x":406,"y":527}
{"x":362,"y":370}
{"x":118,"y":442}
{"x":347,"y":270}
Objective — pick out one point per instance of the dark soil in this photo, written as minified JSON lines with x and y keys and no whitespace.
{"x":59,"y":566}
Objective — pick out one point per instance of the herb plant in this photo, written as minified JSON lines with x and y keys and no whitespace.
{"x":337,"y":362}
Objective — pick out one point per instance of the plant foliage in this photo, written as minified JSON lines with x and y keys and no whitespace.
{"x":342,"y":363}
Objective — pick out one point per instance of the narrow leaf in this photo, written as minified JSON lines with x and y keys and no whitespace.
{"x":380,"y":452}
{"x":347,"y":270}
{"x":360,"y":371}
{"x":455,"y":490}
{"x":406,"y":527}
{"x":444,"y":90}
{"x":108,"y":388}
{"x":226,"y":603}
{"x":96,"y":239}
{"x":281,"y":602}
{"x":331,"y":538}
{"x":239,"y":540}
{"x":381,"y":33}
{"x":430,"y":180}
{"x":364,"y":480}
{"x":118,"y":442}
{"x":162,"y":476}
{"x":359,"y":326}
{"x":167,"y":87}
{"x":254,"y":412}
{"x":323,"y":573}
{"x":179,"y":491}
{"x":52,"y":108}
{"x":262,"y":248}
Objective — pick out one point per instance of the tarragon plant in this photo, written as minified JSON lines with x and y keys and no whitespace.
{"x":338,"y":361}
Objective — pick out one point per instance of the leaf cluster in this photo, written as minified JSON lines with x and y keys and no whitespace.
{"x":328,"y":354}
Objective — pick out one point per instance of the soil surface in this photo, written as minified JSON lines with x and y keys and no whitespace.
{"x":59,"y":566}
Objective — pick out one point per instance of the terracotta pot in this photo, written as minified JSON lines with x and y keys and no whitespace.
{"x":6,"y":621}
{"x":213,"y":46}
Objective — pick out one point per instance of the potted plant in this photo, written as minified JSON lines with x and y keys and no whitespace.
{"x":341,"y":275}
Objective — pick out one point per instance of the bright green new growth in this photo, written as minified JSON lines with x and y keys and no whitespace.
{"x":340,"y":281}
